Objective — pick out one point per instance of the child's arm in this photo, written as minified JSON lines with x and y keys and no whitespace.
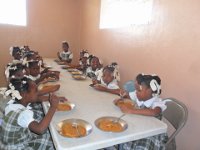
{"x":105,"y":89}
{"x":40,"y":128}
{"x":69,"y":61}
{"x":46,"y":98}
{"x":146,"y":111}
{"x":58,"y":54}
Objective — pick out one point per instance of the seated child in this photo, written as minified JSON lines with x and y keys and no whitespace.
{"x":15,"y":52}
{"x":20,"y":128}
{"x":14,"y":70}
{"x":33,"y":72}
{"x":148,"y":103}
{"x":65,"y":55}
{"x":83,"y":62}
{"x":107,"y":79}
{"x":94,"y":67}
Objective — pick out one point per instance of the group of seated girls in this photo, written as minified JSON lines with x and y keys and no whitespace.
{"x":103,"y":78}
{"x":145,"y":96}
{"x":24,"y":125}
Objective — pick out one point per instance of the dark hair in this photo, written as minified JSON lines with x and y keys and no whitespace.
{"x":65,"y":43}
{"x":92,"y":57}
{"x":20,"y":85}
{"x":17,"y":67}
{"x":16,"y":50}
{"x":33,"y":63}
{"x":29,"y":55}
{"x":147,"y":79}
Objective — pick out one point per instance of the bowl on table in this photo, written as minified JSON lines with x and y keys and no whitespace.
{"x":79,"y":77}
{"x":74,"y":128}
{"x":125,"y":102}
{"x":111,"y":124}
{"x":65,"y":106}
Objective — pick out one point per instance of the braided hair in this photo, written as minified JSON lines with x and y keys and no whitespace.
{"x":12,"y":69}
{"x":16,"y":86}
{"x":151,"y":81}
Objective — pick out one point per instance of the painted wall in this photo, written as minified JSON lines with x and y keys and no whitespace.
{"x":49,"y":22}
{"x":168,"y":46}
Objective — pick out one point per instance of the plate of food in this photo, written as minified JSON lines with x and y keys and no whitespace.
{"x":125,"y":102}
{"x":46,"y":88}
{"x":74,"y":128}
{"x":51,"y":79}
{"x":79,"y":77}
{"x":111,"y":124}
{"x":65,"y":67}
{"x":72,"y":70}
{"x":76,"y":72}
{"x":61,"y":63}
{"x":57,"y":60}
{"x":65,"y":106}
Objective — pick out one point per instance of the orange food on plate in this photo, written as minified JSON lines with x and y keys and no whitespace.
{"x":71,"y":130}
{"x":63,"y":107}
{"x":109,"y":125}
{"x":127,"y":103}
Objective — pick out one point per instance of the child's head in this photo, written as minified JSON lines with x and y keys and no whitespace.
{"x":84,"y":53}
{"x":34,"y":68}
{"x":22,"y":88}
{"x":94,"y":63}
{"x":15,"y":71}
{"x":147,"y":86}
{"x":16,"y":53}
{"x":110,"y":73}
{"x":65,"y":46}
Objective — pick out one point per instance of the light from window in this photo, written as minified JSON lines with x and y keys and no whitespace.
{"x":13,"y":12}
{"x":123,"y":13}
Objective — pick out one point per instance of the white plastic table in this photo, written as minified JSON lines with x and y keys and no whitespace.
{"x":91,"y":105}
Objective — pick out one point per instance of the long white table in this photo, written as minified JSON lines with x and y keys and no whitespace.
{"x":91,"y":105}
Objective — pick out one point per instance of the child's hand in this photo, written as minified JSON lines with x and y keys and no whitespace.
{"x":100,"y":87}
{"x":54,"y":100}
{"x":123,"y":93}
{"x":125,"y":109}
{"x":94,"y":81}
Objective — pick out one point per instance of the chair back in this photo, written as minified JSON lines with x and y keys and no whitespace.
{"x":129,"y":86}
{"x":177,"y":114}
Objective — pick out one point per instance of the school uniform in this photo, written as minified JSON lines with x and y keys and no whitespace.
{"x":156,"y":142}
{"x":112,"y":85}
{"x":33,"y":78}
{"x":15,"y":133}
{"x":92,"y":73}
{"x":66,"y":55}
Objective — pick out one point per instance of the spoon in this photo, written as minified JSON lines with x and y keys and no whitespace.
{"x":117,"y":120}
{"x":77,"y":131}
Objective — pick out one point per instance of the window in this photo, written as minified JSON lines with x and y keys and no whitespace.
{"x":123,"y":13}
{"x":13,"y":12}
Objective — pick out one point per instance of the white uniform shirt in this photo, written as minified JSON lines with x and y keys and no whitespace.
{"x":66,"y":55}
{"x":25,"y":117}
{"x":112,"y":85}
{"x":151,"y":103}
{"x":89,"y":70}
{"x":33,"y":78}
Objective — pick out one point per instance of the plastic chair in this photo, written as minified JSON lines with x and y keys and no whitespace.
{"x":129,"y":86}
{"x":177,"y":114}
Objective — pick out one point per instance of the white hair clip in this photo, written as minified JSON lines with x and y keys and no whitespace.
{"x":86,"y":54}
{"x":11,"y":51}
{"x":155,"y":87}
{"x":7,"y":72}
{"x":14,"y":93}
{"x":64,"y":41}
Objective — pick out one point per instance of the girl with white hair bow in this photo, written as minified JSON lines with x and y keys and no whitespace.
{"x":107,"y":79}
